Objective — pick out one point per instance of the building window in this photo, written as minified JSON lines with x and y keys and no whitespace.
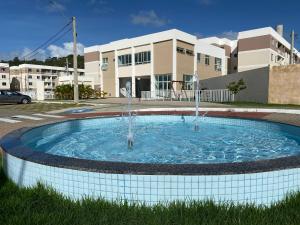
{"x":124,"y":60}
{"x":3,"y":76}
{"x":37,"y":70}
{"x":3,"y":83}
{"x":180,"y":50}
{"x":198,"y":57}
{"x":30,"y":83}
{"x":163,"y":85}
{"x":2,"y":69}
{"x":29,"y":70}
{"x":189,"y":52}
{"x":218,"y":64}
{"x":235,"y":68}
{"x":235,"y":55}
{"x":206,"y":59}
{"x":104,"y":60}
{"x":29,"y":77}
{"x":38,"y":77}
{"x":142,"y":57}
{"x":188,"y":82}
{"x":272,"y":57}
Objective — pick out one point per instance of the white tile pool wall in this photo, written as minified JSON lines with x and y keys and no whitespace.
{"x":259,"y":188}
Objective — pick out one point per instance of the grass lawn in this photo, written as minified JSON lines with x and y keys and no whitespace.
{"x":261,"y":105}
{"x":43,"y":206}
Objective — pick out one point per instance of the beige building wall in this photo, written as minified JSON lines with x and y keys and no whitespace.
{"x":125,"y":71}
{"x":284,"y":86}
{"x":257,"y":82}
{"x":143,"y":69}
{"x":109,"y":75}
{"x":163,"y":60}
{"x":92,"y":68}
{"x":207,"y":71}
{"x":185,"y":62}
{"x":91,"y":57}
{"x":254,"y":59}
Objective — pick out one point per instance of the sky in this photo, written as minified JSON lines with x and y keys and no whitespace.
{"x":26,"y":24}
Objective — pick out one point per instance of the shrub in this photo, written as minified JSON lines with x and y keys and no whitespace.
{"x":66,"y":92}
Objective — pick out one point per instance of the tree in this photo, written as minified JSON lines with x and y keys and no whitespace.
{"x":15,"y":84}
{"x":236,"y":87}
{"x":51,"y":61}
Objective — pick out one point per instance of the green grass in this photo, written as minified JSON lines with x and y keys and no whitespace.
{"x":262,"y":105}
{"x":40,"y":206}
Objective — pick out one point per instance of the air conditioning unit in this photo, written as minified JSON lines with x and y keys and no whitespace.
{"x":104,"y":67}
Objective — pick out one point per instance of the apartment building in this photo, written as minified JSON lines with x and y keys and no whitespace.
{"x":29,"y":74}
{"x":256,"y":48}
{"x":161,"y":61}
{"x":4,"y":76}
{"x":231,"y":51}
{"x":263,"y":47}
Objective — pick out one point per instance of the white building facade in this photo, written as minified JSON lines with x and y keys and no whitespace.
{"x":255,"y":49}
{"x":4,"y":76}
{"x":52,"y":76}
{"x":155,"y":62}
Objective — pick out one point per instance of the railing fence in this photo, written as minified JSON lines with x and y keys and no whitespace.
{"x":218,"y":95}
{"x":33,"y":94}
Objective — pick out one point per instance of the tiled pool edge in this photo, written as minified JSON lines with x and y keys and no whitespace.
{"x":258,"y":186}
{"x":262,"y":188}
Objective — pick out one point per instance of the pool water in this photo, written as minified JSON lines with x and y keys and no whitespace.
{"x":167,"y":139}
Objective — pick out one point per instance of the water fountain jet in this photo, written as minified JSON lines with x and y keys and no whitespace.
{"x":130,"y":133}
{"x":197,"y":95}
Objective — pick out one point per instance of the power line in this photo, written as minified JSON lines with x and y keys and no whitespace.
{"x":55,"y":40}
{"x":47,"y":42}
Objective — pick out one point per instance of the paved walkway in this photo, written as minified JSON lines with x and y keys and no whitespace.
{"x":14,"y":117}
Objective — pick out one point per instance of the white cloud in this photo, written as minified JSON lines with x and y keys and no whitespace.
{"x":232,"y":35}
{"x":66,"y":49}
{"x":27,"y":53}
{"x":55,"y":6}
{"x":42,"y":54}
{"x":38,"y":55}
{"x":148,"y":18}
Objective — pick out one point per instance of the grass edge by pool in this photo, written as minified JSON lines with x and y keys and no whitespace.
{"x":41,"y":205}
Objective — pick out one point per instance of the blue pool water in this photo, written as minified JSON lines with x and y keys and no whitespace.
{"x":167,"y":139}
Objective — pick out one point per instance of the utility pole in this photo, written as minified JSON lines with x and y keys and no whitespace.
{"x":292,"y":47}
{"x":67,"y":66}
{"x":76,"y":97}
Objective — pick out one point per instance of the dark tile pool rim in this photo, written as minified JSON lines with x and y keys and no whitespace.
{"x":12,"y":145}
